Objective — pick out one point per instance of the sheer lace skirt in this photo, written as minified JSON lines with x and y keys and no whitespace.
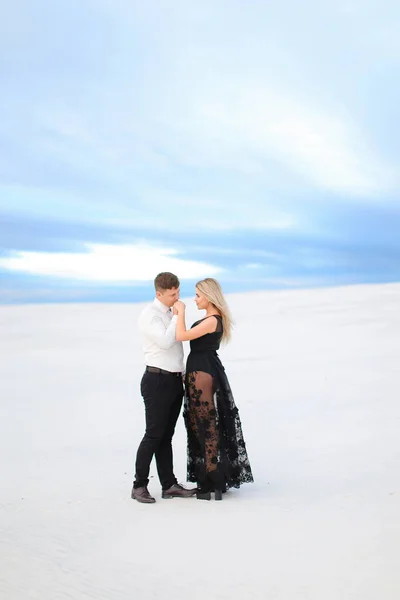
{"x":217,"y":456}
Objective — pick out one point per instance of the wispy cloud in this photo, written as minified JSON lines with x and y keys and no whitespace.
{"x":251,"y":125}
{"x":108,"y":263}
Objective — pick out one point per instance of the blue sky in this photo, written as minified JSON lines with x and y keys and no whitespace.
{"x":256,"y":142}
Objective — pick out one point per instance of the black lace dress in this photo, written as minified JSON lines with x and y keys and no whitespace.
{"x":217,"y":457}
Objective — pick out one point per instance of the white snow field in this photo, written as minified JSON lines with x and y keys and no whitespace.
{"x":316,"y":376}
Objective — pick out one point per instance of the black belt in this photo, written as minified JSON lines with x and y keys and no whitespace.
{"x":162,"y":371}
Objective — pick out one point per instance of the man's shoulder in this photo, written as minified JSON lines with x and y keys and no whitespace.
{"x":148,"y":312}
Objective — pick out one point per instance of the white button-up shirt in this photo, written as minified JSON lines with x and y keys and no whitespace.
{"x":157,"y":326}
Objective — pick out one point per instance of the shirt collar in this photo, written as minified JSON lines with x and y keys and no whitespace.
{"x":161,"y":306}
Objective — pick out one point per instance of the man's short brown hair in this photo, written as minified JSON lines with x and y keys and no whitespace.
{"x":166,"y":281}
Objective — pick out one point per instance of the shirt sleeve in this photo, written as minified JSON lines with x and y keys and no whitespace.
{"x":155,"y":329}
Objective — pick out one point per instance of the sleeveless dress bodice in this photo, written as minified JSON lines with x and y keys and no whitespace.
{"x":203,"y":351}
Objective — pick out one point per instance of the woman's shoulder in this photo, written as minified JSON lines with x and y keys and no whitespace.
{"x":219,"y":320}
{"x":204,"y":318}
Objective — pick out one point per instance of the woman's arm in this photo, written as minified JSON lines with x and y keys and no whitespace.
{"x":184,"y":335}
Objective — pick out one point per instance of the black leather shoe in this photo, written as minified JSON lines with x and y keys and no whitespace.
{"x":141,"y":494}
{"x":178,"y":491}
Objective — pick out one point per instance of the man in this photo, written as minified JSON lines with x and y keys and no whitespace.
{"x":162,"y":391}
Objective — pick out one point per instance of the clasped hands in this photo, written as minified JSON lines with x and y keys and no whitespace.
{"x":179,"y":307}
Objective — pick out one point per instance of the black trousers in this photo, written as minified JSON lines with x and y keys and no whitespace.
{"x":162,"y":395}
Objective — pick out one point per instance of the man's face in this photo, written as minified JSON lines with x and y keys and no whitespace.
{"x":168,"y":297}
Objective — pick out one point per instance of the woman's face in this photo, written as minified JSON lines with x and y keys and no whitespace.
{"x":201,"y":301}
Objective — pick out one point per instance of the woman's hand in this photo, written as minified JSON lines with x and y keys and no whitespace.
{"x":179,"y":307}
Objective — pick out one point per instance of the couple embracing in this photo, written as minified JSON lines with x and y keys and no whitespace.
{"x":217,"y":457}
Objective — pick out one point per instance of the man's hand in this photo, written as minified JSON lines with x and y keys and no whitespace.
{"x":179,"y":307}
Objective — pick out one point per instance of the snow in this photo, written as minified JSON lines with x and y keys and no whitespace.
{"x":315,"y":374}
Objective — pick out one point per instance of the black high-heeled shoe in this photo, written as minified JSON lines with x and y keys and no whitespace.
{"x":203,"y":495}
{"x":217,"y":483}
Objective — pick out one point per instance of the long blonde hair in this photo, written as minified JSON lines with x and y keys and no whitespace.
{"x":211,"y":289}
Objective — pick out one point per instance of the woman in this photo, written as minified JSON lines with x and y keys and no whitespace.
{"x":217,"y":457}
